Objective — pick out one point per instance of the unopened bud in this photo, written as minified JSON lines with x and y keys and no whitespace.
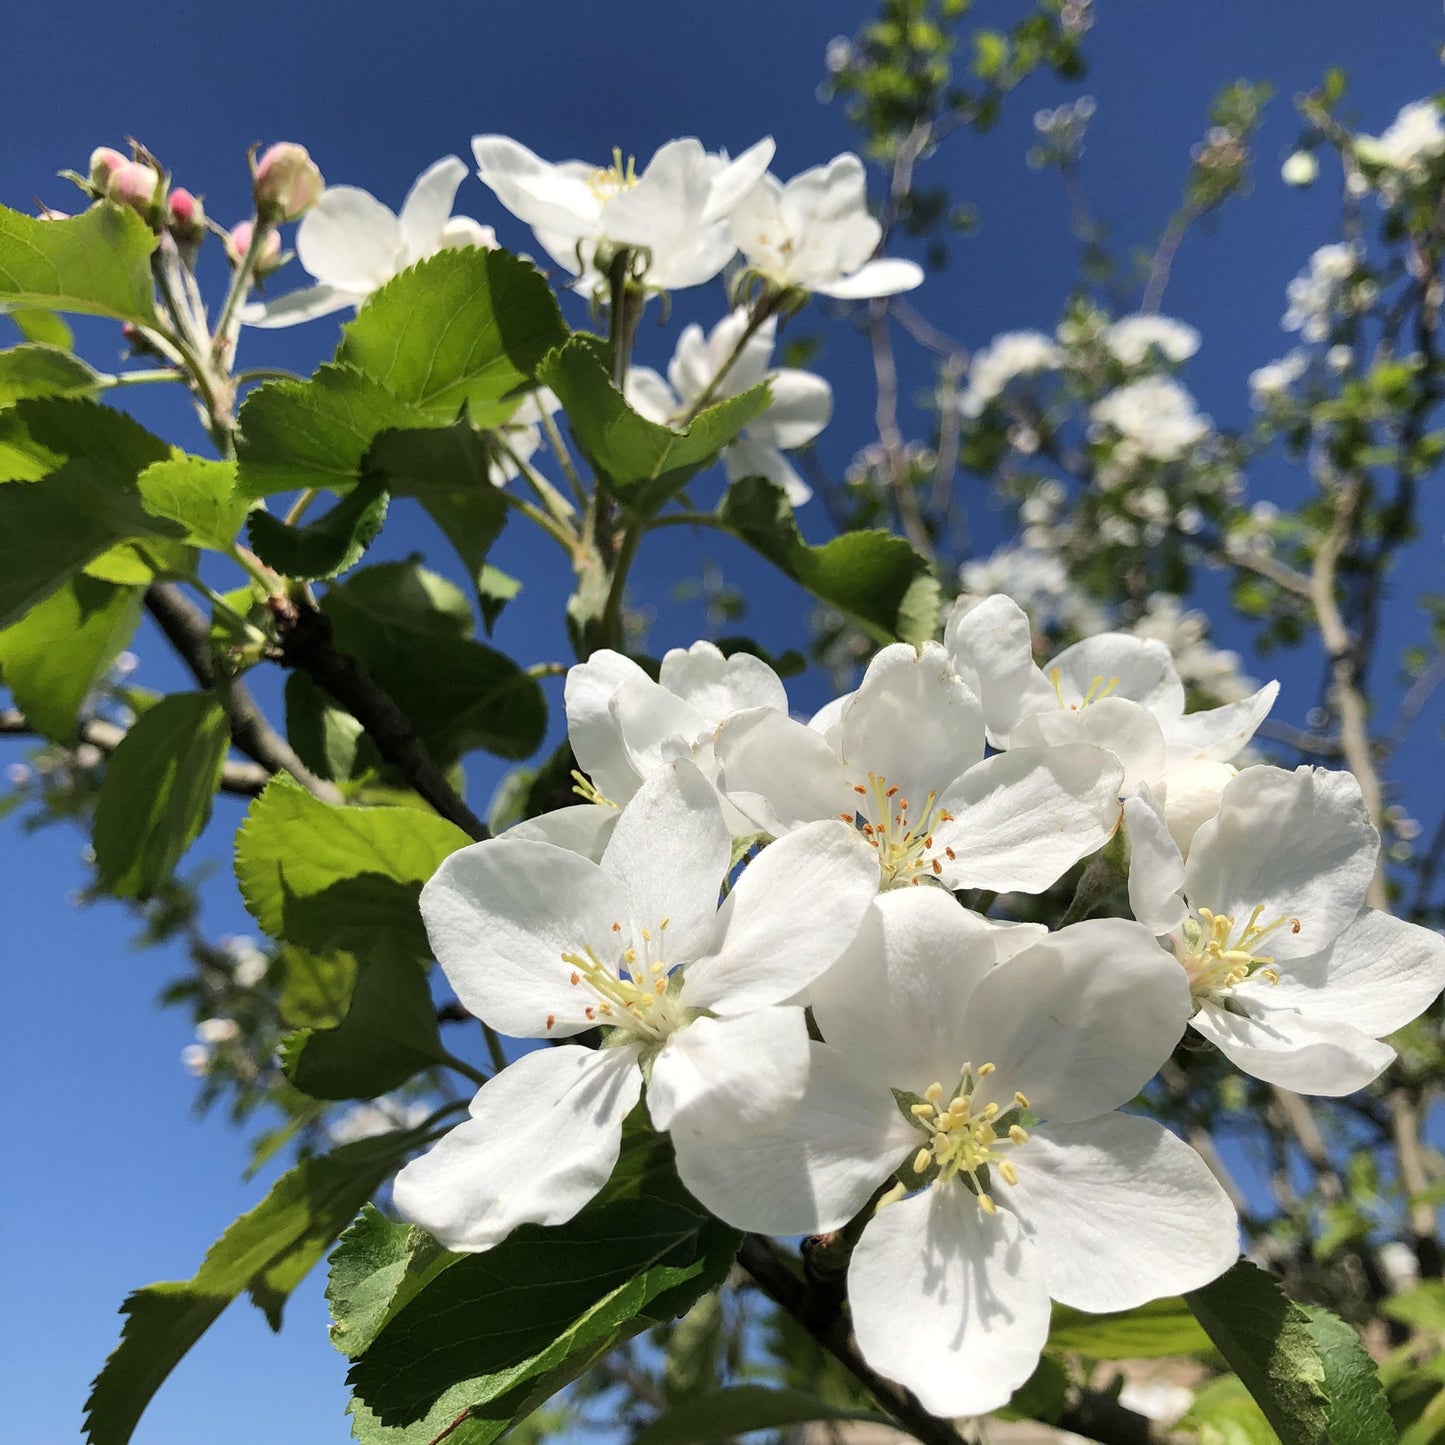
{"x":238,"y":243}
{"x":134,"y":184}
{"x":187,"y":218}
{"x":103,"y":163}
{"x":1300,"y":169}
{"x":286,"y":182}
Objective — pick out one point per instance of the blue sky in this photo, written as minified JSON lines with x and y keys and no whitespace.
{"x":114,"y":1183}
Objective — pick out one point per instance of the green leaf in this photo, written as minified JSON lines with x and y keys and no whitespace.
{"x":326,"y":737}
{"x":97,"y":263}
{"x":495,"y":1333}
{"x":389,"y":1033}
{"x":721,"y":1414}
{"x":32,"y":370}
{"x":1224,"y":1413}
{"x":1150,"y":1331}
{"x":1359,"y":1413}
{"x":462,"y":328}
{"x":645,"y":464}
{"x":874,"y":578}
{"x":448,"y":469}
{"x":54,"y":656}
{"x":44,"y":328}
{"x":460,"y":694}
{"x":271,"y":1247}
{"x":197,"y":494}
{"x":1268,"y":1341}
{"x":1422,"y":1307}
{"x":330,"y":544}
{"x":157,"y":792}
{"x":325,"y":878}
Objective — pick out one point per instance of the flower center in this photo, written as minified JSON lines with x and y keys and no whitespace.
{"x":1217,"y":954}
{"x":633,"y":994}
{"x":962,"y":1141}
{"x":609,"y":181}
{"x":1099,"y":688}
{"x":904,"y":844}
{"x":589,"y":792}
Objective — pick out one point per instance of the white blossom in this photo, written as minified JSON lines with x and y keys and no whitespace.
{"x":1154,"y":418}
{"x":1130,"y":339}
{"x":1011,"y":354}
{"x":1315,"y":295}
{"x":542,"y":943}
{"x":816,"y":233}
{"x":196,"y":1058}
{"x":1038,"y":580}
{"x":384,"y":1115}
{"x":1300,"y":168}
{"x":1409,"y":143}
{"x":983,"y":1068}
{"x":1292,"y":977}
{"x":218,"y":1031}
{"x":673,"y":215}
{"x":800,"y":408}
{"x":353,"y":245}
{"x":1274,"y":379}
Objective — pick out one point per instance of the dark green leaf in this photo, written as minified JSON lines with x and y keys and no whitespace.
{"x":389,"y":1033}
{"x":874,"y":578}
{"x":199,"y":495}
{"x":721,"y":1414}
{"x":340,"y":878}
{"x":644,"y":463}
{"x":97,"y":263}
{"x":1359,"y":1413}
{"x":157,"y":792}
{"x":1150,"y":1331}
{"x":30,"y":371}
{"x":1269,"y":1343}
{"x":327,"y":546}
{"x":464,"y":327}
{"x":326,"y":737}
{"x":53,"y":657}
{"x":271,"y":1247}
{"x":495,"y":1333}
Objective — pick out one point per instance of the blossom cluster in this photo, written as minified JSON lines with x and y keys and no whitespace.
{"x":754,"y":922}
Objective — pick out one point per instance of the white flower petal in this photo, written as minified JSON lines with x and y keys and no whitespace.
{"x":736,"y":179}
{"x":801,"y":407}
{"x":552,"y":197}
{"x":991,"y":648}
{"x":649,"y":395}
{"x":1217,"y":734}
{"x":501,"y":914}
{"x":913,"y":723}
{"x":1121,"y":1212}
{"x":298,"y":306}
{"x":825,"y":213}
{"x":1294,"y":1051}
{"x":728,"y":1078}
{"x":428,"y":207}
{"x":949,"y":1301}
{"x":1127,"y":729}
{"x":748,"y":457}
{"x":1190,"y":797}
{"x":817,"y":1171}
{"x":543,"y":1138}
{"x":1143,"y":667}
{"x":716,"y":686}
{"x":655,"y":725}
{"x":584,"y":828}
{"x":1380,"y":973}
{"x":1156,"y":866}
{"x":767,"y":757}
{"x":596,"y":740}
{"x":793,"y":912}
{"x":670,"y":852}
{"x":1079,"y":1022}
{"x":349,"y":240}
{"x":1297,"y":845}
{"x":1023,"y":818}
{"x":895,"y":1001}
{"x":886,"y":276}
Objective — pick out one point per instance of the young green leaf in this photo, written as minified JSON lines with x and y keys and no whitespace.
{"x":97,"y":263}
{"x":157,"y":792}
{"x":1151,"y":1331}
{"x":199,"y":495}
{"x":32,"y":370}
{"x":330,"y":544}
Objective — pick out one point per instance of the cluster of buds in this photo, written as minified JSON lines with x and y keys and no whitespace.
{"x":140,"y":182}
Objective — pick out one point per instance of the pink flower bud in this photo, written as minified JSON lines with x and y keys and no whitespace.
{"x":238,"y":243}
{"x":103,"y":162}
{"x":133,"y":184}
{"x":286,"y":182}
{"x":188,"y":217}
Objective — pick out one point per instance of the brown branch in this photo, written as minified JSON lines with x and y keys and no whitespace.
{"x":307,"y":645}
{"x":188,"y":631}
{"x":1406,"y":1120}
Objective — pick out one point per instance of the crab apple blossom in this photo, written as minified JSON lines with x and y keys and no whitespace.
{"x":1131,"y":339}
{"x":816,"y":234}
{"x":286,"y":183}
{"x":1115,"y":690}
{"x":134,"y":184}
{"x":238,"y":244}
{"x":625,"y":728}
{"x":353,"y":245}
{"x":673,"y":215}
{"x":1292,"y":977}
{"x":903,"y":758}
{"x":539,"y":942}
{"x":722,"y":363}
{"x":104,"y":162}
{"x":982,"y":1067}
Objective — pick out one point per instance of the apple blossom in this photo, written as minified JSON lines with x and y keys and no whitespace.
{"x":286,"y":183}
{"x":1409,"y":143}
{"x":1115,"y":690}
{"x":1009,"y":355}
{"x":673,"y":215}
{"x":187,"y":217}
{"x":134,"y":184}
{"x":353,"y":245}
{"x":238,"y":243}
{"x":104,"y":162}
{"x":729,"y":360}
{"x":1300,"y":169}
{"x":1154,"y":419}
{"x":903,"y":757}
{"x":816,"y":234}
{"x":542,"y":943}
{"x":982,"y":1068}
{"x":1292,"y":977}
{"x":1130,"y":339}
